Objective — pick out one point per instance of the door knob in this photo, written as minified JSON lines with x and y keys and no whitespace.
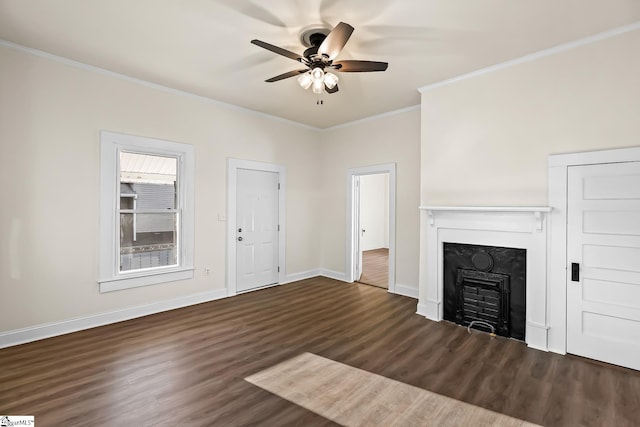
{"x":240,"y":239}
{"x":239,"y":230}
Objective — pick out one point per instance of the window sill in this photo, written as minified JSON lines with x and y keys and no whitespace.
{"x":111,"y":285}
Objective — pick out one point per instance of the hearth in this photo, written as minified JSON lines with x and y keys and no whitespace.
{"x":485,"y":286}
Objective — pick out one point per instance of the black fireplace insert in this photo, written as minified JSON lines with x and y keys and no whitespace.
{"x":486,"y":285}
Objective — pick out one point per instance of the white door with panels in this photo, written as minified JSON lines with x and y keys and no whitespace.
{"x":256,"y":229}
{"x":603,"y":256}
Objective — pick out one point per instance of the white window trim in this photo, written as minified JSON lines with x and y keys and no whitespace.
{"x":110,"y":279}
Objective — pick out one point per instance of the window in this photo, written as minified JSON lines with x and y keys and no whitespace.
{"x":149,"y":215}
{"x":146,"y":211}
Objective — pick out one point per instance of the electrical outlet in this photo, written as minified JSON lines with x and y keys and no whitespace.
{"x":207,"y":271}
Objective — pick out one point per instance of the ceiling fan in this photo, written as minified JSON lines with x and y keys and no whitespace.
{"x":323,"y":47}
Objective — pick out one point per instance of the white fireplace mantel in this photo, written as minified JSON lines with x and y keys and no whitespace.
{"x":537,"y":211}
{"x":522,"y":227}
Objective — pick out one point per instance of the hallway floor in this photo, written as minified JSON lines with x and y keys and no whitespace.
{"x":375,"y":268}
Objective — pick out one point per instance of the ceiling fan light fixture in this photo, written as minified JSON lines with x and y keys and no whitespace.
{"x":317,"y":74}
{"x":305,"y":80}
{"x":331,"y":80}
{"x":318,"y":87}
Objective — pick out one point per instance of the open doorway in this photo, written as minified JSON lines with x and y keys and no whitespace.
{"x":374,"y":229}
{"x":371,"y":225}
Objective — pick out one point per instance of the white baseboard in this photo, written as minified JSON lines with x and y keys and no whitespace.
{"x":47,"y":330}
{"x":537,"y":336}
{"x":407,"y":291}
{"x":294,"y":277}
{"x":333,"y":274}
{"x":429,"y":309}
{"x":422,"y":310}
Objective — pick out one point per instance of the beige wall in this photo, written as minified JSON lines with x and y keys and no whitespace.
{"x":485,"y":140}
{"x":50,"y":118}
{"x":388,"y":139}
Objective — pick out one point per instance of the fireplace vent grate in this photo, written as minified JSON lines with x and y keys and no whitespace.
{"x":483,"y":298}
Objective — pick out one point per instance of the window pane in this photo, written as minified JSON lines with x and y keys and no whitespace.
{"x":147,"y":181}
{"x":148,"y":240}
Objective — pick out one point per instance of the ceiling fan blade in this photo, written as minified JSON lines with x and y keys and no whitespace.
{"x":279,"y":50}
{"x":352,"y":66}
{"x":335,"y":41}
{"x":286,"y":75}
{"x":334,"y":90}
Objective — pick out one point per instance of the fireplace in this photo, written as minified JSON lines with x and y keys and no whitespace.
{"x":488,"y":285}
{"x":485,"y":287}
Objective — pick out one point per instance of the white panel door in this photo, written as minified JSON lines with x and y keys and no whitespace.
{"x":603,"y":255}
{"x":256,"y":229}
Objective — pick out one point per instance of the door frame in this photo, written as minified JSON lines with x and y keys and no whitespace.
{"x":357,"y":227}
{"x":558,"y":170}
{"x":232,"y":185}
{"x":352,"y":221}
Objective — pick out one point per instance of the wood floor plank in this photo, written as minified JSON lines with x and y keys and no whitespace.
{"x":375,"y":268}
{"x":186,"y":366}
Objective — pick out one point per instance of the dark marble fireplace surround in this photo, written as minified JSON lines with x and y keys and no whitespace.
{"x":486,"y":270}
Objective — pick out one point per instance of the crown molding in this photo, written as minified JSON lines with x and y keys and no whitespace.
{"x":145,"y":83}
{"x":370,"y":118}
{"x":537,"y":55}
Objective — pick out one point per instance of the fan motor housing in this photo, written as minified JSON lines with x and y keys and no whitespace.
{"x":312,"y":51}
{"x":313,"y":35}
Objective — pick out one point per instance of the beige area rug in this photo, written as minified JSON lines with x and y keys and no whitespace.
{"x":353,"y":397}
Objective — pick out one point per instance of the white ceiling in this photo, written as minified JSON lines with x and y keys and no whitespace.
{"x":202,"y":46}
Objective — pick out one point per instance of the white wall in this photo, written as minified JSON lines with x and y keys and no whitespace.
{"x":387,"y":139}
{"x":374,"y":211}
{"x":486,"y":139}
{"x":50,"y":117}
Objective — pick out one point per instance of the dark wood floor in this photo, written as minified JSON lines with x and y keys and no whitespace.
{"x":186,"y":367}
{"x":375,"y":268}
